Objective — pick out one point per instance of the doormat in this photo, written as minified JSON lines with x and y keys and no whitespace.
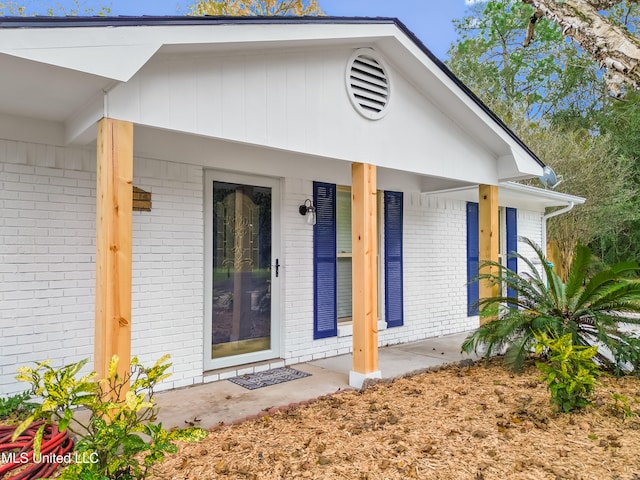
{"x":251,"y":381}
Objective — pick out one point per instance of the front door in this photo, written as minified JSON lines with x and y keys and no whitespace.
{"x":243,"y":269}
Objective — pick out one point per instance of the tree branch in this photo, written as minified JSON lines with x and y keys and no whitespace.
{"x":531,"y":28}
{"x":604,"y":4}
{"x":613,"y":47}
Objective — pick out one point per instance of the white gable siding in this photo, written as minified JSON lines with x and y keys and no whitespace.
{"x":47,"y":261}
{"x":299,"y":102}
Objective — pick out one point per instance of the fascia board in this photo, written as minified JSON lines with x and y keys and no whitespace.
{"x":512,"y":194}
{"x":559,"y":198}
{"x":525,"y":163}
{"x":517,"y":166}
{"x":273,"y":33}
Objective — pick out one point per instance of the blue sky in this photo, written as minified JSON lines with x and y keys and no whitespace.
{"x":430,"y":20}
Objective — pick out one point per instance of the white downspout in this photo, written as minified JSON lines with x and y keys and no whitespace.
{"x":544,"y":223}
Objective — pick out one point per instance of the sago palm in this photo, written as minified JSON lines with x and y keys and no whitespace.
{"x":591,"y":306}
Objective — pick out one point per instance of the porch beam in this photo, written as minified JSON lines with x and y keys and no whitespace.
{"x":488,"y":238}
{"x":364,"y":274}
{"x":113,"y":245}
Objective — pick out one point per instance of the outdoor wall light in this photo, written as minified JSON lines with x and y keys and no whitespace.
{"x":309,"y":210}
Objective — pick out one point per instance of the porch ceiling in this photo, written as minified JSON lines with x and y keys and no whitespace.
{"x":45,"y":92}
{"x":231,"y":156}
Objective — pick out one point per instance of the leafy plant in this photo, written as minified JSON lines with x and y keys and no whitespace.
{"x":620,"y":405}
{"x":569,"y":371}
{"x":550,"y":75}
{"x":120,"y":441}
{"x":589,"y":306}
{"x":256,"y":7}
{"x":15,"y":407}
{"x":554,"y":97}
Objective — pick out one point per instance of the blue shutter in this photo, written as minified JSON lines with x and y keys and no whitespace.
{"x":393,"y":290}
{"x":325,"y":304}
{"x":473,"y":255}
{"x":512,"y":243}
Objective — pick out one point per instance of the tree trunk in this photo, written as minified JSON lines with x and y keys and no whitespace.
{"x":613,"y":47}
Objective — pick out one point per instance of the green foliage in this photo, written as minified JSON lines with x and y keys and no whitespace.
{"x":590,"y":306}
{"x":621,"y":123}
{"x":593,"y":169}
{"x":548,"y":76}
{"x":554,"y":97}
{"x":569,"y":371}
{"x":11,"y":8}
{"x":620,"y":405}
{"x":256,"y":7}
{"x":15,"y":407}
{"x":120,"y":440}
{"x":72,"y":8}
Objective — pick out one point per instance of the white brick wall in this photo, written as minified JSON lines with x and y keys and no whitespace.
{"x":47,"y":258}
{"x":47,"y":261}
{"x":167,"y":291}
{"x":434,"y":276}
{"x":297,"y":311}
{"x":47,"y":265}
{"x":435,"y":269}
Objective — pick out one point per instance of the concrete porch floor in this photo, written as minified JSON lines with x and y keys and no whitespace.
{"x":207,"y":405}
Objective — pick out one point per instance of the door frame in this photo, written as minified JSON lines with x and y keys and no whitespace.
{"x":211,"y":176}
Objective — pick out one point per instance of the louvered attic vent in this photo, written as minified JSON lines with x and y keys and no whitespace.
{"x":368,"y":84}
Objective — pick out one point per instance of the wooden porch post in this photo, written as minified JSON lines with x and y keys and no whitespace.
{"x":113,"y":245}
{"x":488,"y":237}
{"x":364,"y":274}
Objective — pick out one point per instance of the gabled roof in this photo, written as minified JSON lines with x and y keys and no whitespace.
{"x":94,"y":53}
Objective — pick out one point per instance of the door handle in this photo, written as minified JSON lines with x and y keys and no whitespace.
{"x":277,"y":267}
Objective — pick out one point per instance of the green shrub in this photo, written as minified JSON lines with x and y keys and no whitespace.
{"x":620,"y":405}
{"x":120,"y":441}
{"x":569,"y":371}
{"x":15,"y":407}
{"x":589,"y":306}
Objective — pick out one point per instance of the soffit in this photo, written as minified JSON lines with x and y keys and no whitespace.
{"x":39,"y":90}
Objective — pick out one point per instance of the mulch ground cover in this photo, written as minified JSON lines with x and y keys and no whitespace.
{"x":475,"y":422}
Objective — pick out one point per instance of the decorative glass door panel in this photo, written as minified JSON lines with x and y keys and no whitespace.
{"x":241,"y":293}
